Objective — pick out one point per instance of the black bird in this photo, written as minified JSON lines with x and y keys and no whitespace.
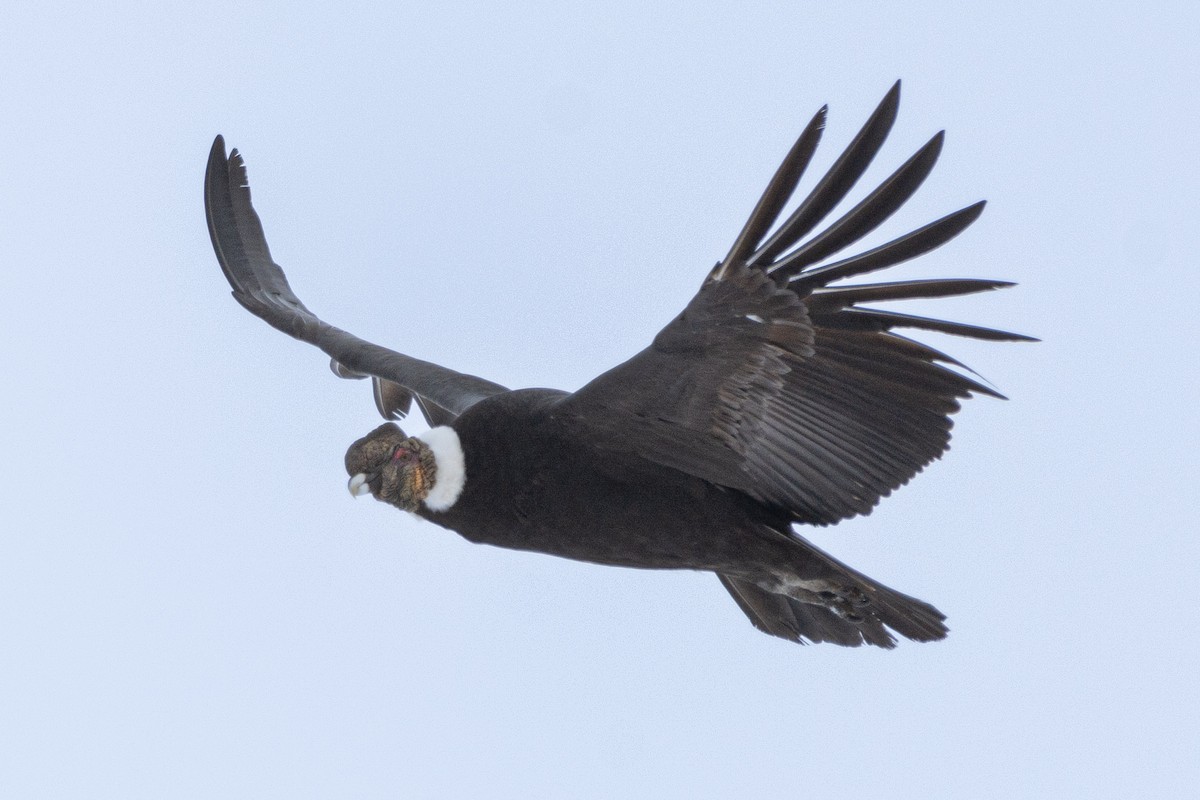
{"x":773,"y":399}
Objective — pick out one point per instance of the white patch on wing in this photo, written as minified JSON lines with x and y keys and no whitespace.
{"x":755,"y":318}
{"x":451,"y":467}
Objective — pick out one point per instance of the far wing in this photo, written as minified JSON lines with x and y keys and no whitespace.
{"x":260,"y":285}
{"x":776,"y":384}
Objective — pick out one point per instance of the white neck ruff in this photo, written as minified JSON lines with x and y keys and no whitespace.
{"x":451,"y":467}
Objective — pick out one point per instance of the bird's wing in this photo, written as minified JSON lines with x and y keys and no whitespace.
{"x":775,"y":383}
{"x":261,"y":287}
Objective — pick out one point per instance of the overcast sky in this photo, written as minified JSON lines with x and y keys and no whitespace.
{"x":191,"y":605}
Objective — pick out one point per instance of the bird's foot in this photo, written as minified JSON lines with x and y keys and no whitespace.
{"x":847,"y":602}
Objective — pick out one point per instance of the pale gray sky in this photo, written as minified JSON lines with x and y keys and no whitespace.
{"x":192,"y":606}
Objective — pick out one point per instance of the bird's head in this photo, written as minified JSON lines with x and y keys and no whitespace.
{"x":394,"y":468}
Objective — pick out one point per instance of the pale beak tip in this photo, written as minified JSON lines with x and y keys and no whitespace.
{"x":358,"y":485}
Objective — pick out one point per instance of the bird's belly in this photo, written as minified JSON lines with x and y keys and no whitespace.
{"x":677,"y":524}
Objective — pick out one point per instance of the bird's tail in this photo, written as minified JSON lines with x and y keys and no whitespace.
{"x":827,"y":601}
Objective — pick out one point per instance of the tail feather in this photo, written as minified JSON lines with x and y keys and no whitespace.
{"x":796,"y":621}
{"x":828,"y":601}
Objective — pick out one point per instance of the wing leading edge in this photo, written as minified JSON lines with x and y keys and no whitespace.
{"x":261,"y":287}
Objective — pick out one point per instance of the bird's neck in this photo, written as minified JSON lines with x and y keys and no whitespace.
{"x":451,"y":475}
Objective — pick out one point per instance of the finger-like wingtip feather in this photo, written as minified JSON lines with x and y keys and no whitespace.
{"x":227,"y":205}
{"x":825,"y":300}
{"x":837,"y":182}
{"x":878,"y":319}
{"x":911,"y":245}
{"x":217,"y":208}
{"x":779,"y":190}
{"x":874,"y":209}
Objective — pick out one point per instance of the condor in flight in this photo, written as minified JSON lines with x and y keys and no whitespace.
{"x":774,"y":399}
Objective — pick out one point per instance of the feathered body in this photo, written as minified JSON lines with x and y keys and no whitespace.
{"x":773,"y":399}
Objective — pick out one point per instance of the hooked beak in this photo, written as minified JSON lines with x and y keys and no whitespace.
{"x":358,"y":485}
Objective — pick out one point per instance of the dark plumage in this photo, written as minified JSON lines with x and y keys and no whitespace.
{"x":772,"y":399}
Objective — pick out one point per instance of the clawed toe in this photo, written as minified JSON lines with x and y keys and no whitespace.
{"x":846,"y":601}
{"x":846,"y":594}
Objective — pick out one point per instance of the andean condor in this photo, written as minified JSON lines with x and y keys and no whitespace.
{"x":773,"y":399}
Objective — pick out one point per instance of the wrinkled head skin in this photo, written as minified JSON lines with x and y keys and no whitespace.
{"x":394,"y":468}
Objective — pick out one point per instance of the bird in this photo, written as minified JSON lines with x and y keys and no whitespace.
{"x":775,"y":399}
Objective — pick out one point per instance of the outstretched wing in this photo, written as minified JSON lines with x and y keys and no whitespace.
{"x":261,"y":287}
{"x":777,"y":384}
